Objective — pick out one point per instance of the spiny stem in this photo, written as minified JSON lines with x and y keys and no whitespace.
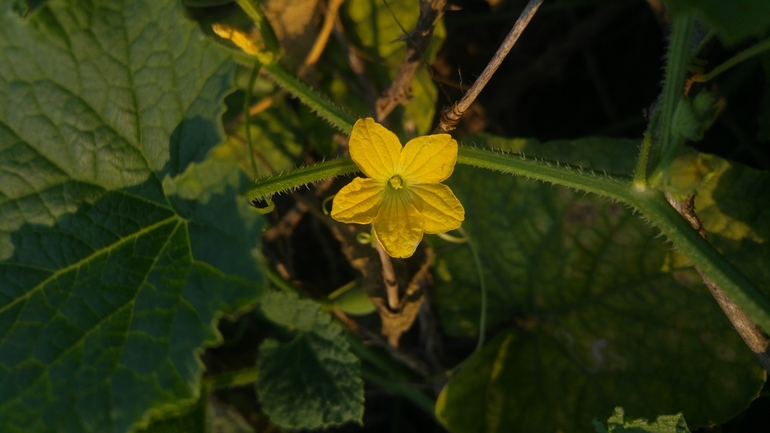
{"x":677,"y":61}
{"x":650,"y":202}
{"x":617,"y":188}
{"x":267,"y":186}
{"x":654,"y":206}
{"x":318,"y":103}
{"x":640,"y":172}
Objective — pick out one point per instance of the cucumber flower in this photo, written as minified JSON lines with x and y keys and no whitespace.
{"x":402,"y":195}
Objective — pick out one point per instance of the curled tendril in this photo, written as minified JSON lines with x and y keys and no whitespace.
{"x":364,"y":238}
{"x":324,"y":204}
{"x":453,"y":239}
{"x":267,"y":208}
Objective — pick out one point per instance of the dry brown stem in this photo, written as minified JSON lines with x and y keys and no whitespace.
{"x":417,"y":42}
{"x":388,"y":276}
{"x":451,"y":115}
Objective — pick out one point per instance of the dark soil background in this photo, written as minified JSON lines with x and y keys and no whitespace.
{"x":577,"y":70}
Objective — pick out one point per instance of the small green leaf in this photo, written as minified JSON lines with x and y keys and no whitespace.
{"x":693,"y":117}
{"x":663,"y":424}
{"x":733,"y":21}
{"x":596,"y":308}
{"x":312,"y":381}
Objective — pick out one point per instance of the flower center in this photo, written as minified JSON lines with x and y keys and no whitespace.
{"x":396,"y":182}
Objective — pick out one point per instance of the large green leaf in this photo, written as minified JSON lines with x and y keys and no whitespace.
{"x":597,"y":310}
{"x":110,"y":285}
{"x":733,"y":20}
{"x":312,"y":381}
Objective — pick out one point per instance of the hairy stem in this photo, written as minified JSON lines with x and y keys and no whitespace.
{"x":652,"y":204}
{"x":318,"y":103}
{"x":640,"y":172}
{"x":677,"y":60}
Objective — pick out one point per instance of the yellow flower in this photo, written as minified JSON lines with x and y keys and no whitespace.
{"x":402,"y":196}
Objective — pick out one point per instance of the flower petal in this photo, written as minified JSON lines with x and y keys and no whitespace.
{"x":398,"y":226}
{"x":359,"y":201}
{"x":430,"y":158}
{"x":439,"y":206}
{"x":374,"y":149}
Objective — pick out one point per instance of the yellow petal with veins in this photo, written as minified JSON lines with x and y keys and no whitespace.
{"x":359,"y":201}
{"x":430,"y":158}
{"x":398,"y":226}
{"x":374,"y":149}
{"x":439,"y":206}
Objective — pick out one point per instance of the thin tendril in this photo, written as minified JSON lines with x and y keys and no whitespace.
{"x":483,"y":286}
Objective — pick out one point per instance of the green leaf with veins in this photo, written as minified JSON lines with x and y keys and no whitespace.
{"x":109,"y":284}
{"x":312,"y":381}
{"x":595,"y":309}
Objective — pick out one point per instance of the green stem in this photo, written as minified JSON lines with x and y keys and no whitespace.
{"x":380,"y":370}
{"x":654,"y":206}
{"x":279,"y":281}
{"x":403,"y":389}
{"x":650,"y":202}
{"x":640,"y":172}
{"x":254,"y":12}
{"x":678,"y":59}
{"x":247,"y":115}
{"x":318,"y":103}
{"x":743,"y":55}
{"x":232,"y":379}
{"x":577,"y":178}
{"x":267,"y":186}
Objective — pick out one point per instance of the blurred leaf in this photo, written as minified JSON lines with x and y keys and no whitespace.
{"x":374,"y":26}
{"x":734,"y":21}
{"x":109,"y":285}
{"x":206,"y":3}
{"x":598,"y":309}
{"x":312,"y":381}
{"x":663,"y":424}
{"x":277,"y":137}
